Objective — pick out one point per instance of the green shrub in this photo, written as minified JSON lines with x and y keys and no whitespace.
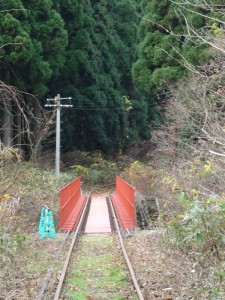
{"x":202,"y":226}
{"x":8,"y":245}
{"x":97,"y":169}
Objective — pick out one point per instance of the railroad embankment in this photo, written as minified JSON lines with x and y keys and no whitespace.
{"x":179,"y":255}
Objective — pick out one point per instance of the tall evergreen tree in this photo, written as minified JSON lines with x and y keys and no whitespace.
{"x":35,"y":40}
{"x":32,"y":43}
{"x":162,"y":44}
{"x":95,"y":67}
{"x":97,"y":73}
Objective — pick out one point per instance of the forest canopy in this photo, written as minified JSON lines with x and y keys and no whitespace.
{"x":111,"y":57}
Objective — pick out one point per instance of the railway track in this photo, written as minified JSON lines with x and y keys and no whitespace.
{"x":77,"y":234}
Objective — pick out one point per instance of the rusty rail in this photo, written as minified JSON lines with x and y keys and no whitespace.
{"x":64,"y":270}
{"x":129,"y":265}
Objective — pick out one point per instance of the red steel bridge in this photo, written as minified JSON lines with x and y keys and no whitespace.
{"x":98,"y":221}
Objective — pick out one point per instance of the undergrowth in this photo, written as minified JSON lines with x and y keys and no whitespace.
{"x":188,"y":192}
{"x":95,"y":168}
{"x":26,"y":187}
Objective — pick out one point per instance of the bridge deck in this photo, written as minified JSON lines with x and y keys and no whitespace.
{"x":98,"y":218}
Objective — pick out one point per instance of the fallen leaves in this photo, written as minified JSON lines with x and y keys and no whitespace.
{"x":163,"y":273}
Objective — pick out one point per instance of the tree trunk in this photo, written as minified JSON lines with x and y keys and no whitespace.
{"x":18,"y":137}
{"x":7,"y":121}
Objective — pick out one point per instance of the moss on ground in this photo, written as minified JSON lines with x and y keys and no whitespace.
{"x":98,"y":271}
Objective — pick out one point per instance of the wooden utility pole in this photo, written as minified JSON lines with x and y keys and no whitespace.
{"x":57,"y":103}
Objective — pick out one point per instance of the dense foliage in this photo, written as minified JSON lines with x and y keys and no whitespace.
{"x":97,"y":71}
{"x":33,"y":41}
{"x":167,"y":46}
{"x":82,"y":50}
{"x":87,"y":50}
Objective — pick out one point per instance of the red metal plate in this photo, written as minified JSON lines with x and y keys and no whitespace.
{"x":98,"y":218}
{"x":124,"y":218}
{"x":73,"y":217}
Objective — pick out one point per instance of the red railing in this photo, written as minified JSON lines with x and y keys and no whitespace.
{"x":124,"y":202}
{"x":69,"y":196}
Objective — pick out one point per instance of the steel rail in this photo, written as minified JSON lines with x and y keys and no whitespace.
{"x":129,"y":265}
{"x":50,"y":270}
{"x":64,"y":270}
